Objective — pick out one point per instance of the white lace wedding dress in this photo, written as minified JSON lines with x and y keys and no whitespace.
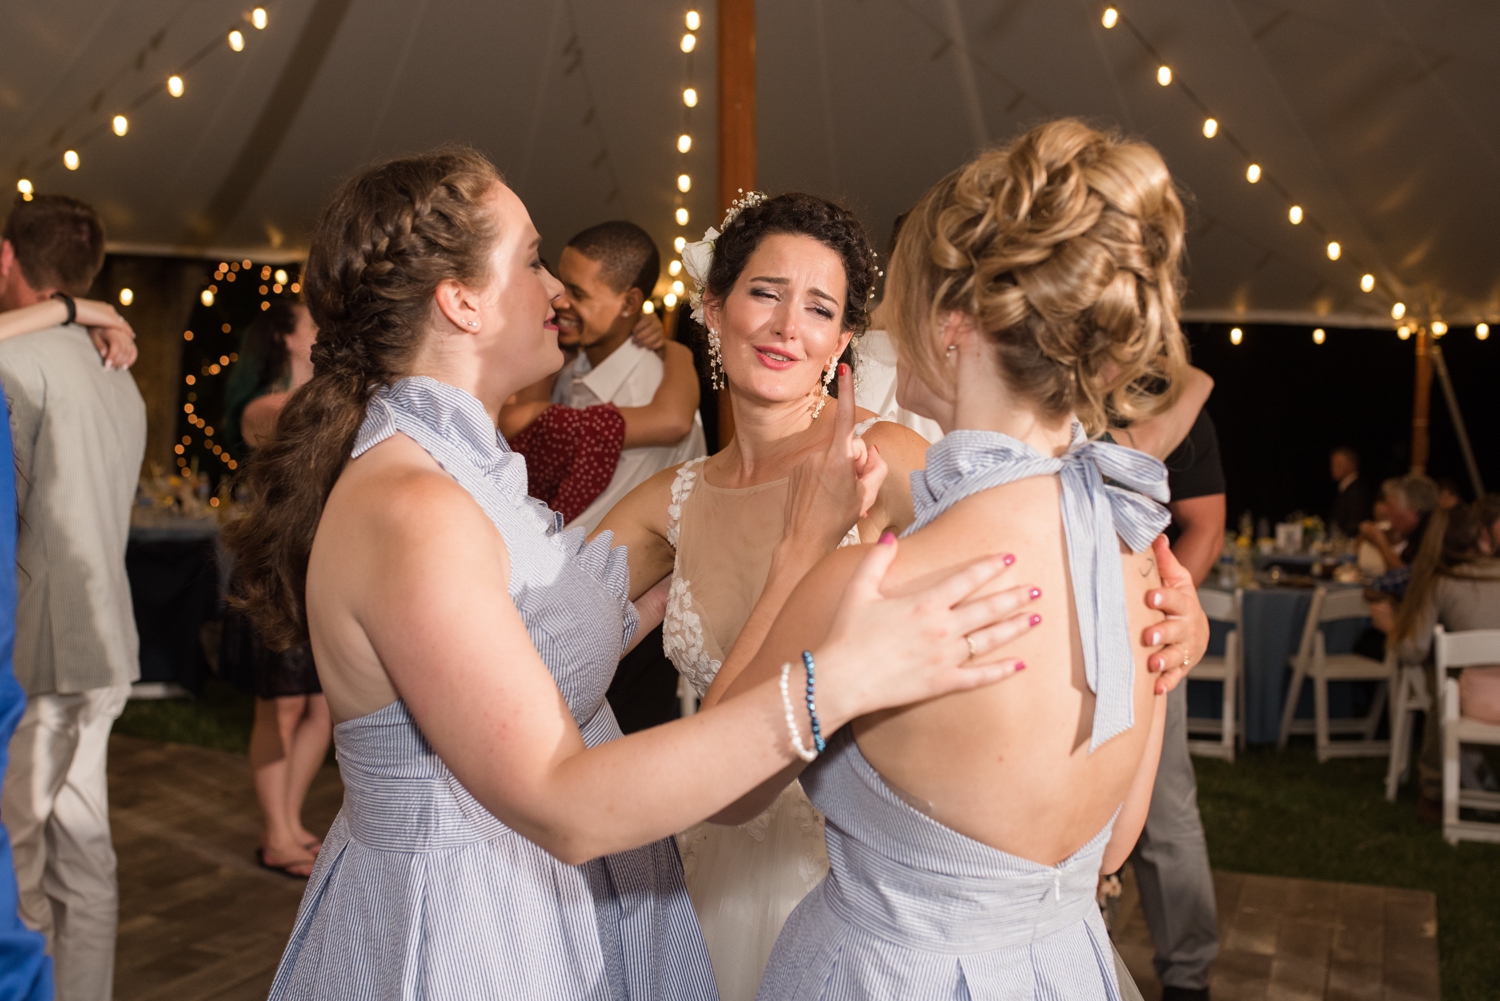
{"x":744,"y":881}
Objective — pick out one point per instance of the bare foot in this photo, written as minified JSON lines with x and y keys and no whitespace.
{"x":294,"y":864}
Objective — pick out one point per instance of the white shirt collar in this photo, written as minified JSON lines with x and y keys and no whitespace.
{"x":606,"y":378}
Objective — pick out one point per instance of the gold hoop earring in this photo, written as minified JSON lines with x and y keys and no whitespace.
{"x":716,"y":377}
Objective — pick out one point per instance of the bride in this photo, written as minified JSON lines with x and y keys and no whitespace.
{"x":784,"y":290}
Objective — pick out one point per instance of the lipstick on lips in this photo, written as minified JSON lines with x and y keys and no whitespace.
{"x":775,"y":358}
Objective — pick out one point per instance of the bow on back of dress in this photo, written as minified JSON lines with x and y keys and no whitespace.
{"x":1129,"y":503}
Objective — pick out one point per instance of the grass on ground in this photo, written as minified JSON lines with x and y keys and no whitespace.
{"x":1268,"y":813}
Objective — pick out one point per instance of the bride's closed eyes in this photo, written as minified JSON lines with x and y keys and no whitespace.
{"x":770,"y":293}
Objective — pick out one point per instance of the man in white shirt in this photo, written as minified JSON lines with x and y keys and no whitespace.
{"x":607,"y":272}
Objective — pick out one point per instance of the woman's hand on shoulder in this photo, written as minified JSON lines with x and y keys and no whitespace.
{"x":1183,"y":636}
{"x":112,"y":336}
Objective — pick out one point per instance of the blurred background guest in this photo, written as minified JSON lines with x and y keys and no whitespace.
{"x":1450,"y":494}
{"x":1401,"y":515}
{"x":80,"y":434}
{"x":292,"y":729}
{"x":1456,"y":585}
{"x":1351,"y":504}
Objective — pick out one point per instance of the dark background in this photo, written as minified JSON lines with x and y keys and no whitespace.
{"x":1282,"y":403}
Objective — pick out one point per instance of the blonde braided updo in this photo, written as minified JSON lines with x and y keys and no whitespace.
{"x":1065,"y":248}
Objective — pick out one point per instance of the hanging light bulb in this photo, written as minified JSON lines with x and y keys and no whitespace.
{"x":690,"y":97}
{"x":236,"y":40}
{"x":258,"y":18}
{"x":684,"y":183}
{"x":24,"y":186}
{"x":1403,"y":331}
{"x":1164,"y":75}
{"x":689,"y":41}
{"x":1334,"y":250}
{"x":679,"y":243}
{"x":174,"y":85}
{"x":1482,"y":331}
{"x":674,"y":269}
{"x":1236,"y":335}
{"x":1252,"y":173}
{"x":684,"y":143}
{"x":281,"y":276}
{"x":1210,"y":127}
{"x":677,"y":288}
{"x":693,"y":20}
{"x":126,"y":297}
{"x":1111,"y":17}
{"x":669,"y":300}
{"x":1367,"y":283}
{"x":206,"y":297}
{"x":1439,"y":328}
{"x":648,"y":307}
{"x":1295,"y":215}
{"x":120,"y":124}
{"x":1319,"y":336}
{"x":1398,"y":310}
{"x":682,"y":217}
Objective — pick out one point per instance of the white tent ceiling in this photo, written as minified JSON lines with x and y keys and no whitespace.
{"x":1381,"y":118}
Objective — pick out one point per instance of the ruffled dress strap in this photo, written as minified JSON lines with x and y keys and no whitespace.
{"x":1107,"y":490}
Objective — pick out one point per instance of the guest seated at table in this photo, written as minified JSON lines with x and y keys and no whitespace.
{"x":1450,"y":493}
{"x":1455,"y":584}
{"x":1487,"y":512}
{"x":1351,"y":505}
{"x":1401,"y":518}
{"x":292,"y":729}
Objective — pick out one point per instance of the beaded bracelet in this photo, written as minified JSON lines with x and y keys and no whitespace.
{"x":812,"y":705}
{"x":791,"y":720}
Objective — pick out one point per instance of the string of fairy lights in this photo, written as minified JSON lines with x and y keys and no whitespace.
{"x":1257,"y":173}
{"x":684,"y":182}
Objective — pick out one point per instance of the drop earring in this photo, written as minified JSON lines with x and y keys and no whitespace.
{"x":827,"y":382}
{"x":715,"y":360}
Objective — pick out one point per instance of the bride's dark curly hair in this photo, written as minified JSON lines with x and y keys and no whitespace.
{"x":390,"y":235}
{"x":799,"y":214}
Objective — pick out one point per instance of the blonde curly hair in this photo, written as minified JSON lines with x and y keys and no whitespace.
{"x":1065,"y":248}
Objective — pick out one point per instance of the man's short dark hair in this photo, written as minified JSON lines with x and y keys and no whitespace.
{"x":628,"y":253}
{"x":59,"y":242}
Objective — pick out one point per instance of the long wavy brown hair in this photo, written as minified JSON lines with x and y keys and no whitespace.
{"x":1065,"y":247}
{"x":387,"y":239}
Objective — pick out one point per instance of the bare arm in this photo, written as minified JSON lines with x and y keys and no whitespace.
{"x":1132,"y":817}
{"x":639,"y":522}
{"x":1201,"y":520}
{"x":668,"y":418}
{"x":1160,"y":435}
{"x":110,"y":333}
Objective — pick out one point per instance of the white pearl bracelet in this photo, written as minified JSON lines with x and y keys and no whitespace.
{"x":803,"y":752}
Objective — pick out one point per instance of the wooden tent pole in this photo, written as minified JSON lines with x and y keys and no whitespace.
{"x":736,"y":128}
{"x":1421,"y":402}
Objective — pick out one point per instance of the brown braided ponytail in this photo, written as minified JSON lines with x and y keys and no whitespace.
{"x":1065,"y":248}
{"x":388,"y":238}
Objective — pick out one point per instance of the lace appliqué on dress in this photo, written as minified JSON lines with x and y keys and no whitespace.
{"x":682,"y":629}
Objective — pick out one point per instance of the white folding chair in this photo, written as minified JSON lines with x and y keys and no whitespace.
{"x":1221,"y":606}
{"x":1473,"y":647}
{"x":1410,"y":696}
{"x":1313,"y":663}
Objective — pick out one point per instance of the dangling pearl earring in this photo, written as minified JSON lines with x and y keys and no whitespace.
{"x":827,"y":381}
{"x":715,"y":360}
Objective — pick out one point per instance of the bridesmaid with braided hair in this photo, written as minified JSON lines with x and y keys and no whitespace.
{"x":499,"y":837}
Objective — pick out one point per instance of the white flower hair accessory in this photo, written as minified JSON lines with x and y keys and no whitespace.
{"x":698,"y":258}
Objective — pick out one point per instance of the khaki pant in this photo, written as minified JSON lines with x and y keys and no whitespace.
{"x":56,"y":807}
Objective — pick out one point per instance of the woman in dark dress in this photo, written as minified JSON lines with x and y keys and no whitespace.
{"x":292,"y":729}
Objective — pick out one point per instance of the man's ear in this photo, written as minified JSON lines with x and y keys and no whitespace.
{"x":633,"y":299}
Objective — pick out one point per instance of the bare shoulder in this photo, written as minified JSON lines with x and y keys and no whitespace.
{"x":897,"y":440}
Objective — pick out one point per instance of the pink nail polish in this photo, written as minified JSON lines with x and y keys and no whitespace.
{"x":1036,"y":593}
{"x":1009,"y":559}
{"x":1036,"y":620}
{"x":1020,"y":665}
{"x":887,"y":538}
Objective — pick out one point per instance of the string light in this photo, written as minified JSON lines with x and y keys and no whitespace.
{"x":669,"y":300}
{"x":1210,"y":127}
{"x":187,"y":335}
{"x":1482,"y":331}
{"x":1319,"y":336}
{"x":281,"y":276}
{"x":1439,"y":328}
{"x":679,"y":243}
{"x":1367,"y":283}
{"x":24,"y":186}
{"x":684,"y":143}
{"x":258,"y":18}
{"x":1334,"y":250}
{"x":674,"y":269}
{"x":126,"y":297}
{"x":1295,"y":215}
{"x":120,"y":124}
{"x":1164,"y":75}
{"x":236,"y":41}
{"x":689,"y":41}
{"x":1252,"y":173}
{"x":690,"y":97}
{"x":693,"y":20}
{"x":174,"y":85}
{"x":1111,"y":17}
{"x":1398,"y":310}
{"x":677,"y":288}
{"x":648,"y":307}
{"x":1236,"y":335}
{"x":207,"y":298}
{"x":684,"y":183}
{"x":682,"y":217}
{"x":1403,"y":332}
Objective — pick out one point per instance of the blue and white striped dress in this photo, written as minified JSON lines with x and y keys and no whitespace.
{"x":912,"y":909}
{"x":420,"y":892}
